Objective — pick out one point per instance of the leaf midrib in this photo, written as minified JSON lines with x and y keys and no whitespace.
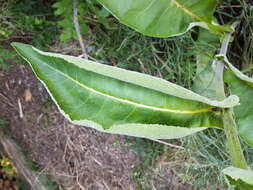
{"x":187,"y":11}
{"x":128,"y":101}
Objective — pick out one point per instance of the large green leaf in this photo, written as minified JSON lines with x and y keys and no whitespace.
{"x":163,"y":18}
{"x":242,"y":86}
{"x":241,"y":179}
{"x":205,"y":82}
{"x":115,"y":100}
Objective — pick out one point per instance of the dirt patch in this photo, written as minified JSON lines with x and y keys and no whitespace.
{"x":77,"y":157}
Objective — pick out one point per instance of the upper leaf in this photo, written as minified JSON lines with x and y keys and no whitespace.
{"x":119,"y":101}
{"x":163,"y":18}
{"x":242,"y":86}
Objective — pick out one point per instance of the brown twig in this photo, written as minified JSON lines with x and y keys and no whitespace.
{"x":21,"y":115}
{"x":167,"y":144}
{"x":77,"y":28}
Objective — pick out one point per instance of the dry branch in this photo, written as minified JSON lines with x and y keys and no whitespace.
{"x":77,"y":28}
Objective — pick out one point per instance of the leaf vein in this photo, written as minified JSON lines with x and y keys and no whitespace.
{"x":128,"y":101}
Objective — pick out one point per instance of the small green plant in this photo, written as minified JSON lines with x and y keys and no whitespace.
{"x":5,"y":56}
{"x":118,"y":101}
{"x":8,"y":167}
{"x":27,"y":20}
{"x":89,"y":8}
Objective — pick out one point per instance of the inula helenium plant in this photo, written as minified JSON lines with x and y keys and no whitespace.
{"x":115,"y":100}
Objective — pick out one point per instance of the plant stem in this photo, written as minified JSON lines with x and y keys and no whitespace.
{"x":230,"y":127}
{"x":77,"y":28}
{"x":220,"y":90}
{"x":235,"y":148}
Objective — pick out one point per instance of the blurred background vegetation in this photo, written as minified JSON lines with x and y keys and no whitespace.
{"x":48,"y":24}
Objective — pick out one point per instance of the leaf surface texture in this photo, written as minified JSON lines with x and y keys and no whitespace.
{"x":115,"y":100}
{"x":241,"y":179}
{"x":162,"y":18}
{"x":242,"y":86}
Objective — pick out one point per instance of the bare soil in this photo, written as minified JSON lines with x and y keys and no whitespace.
{"x":77,"y":157}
